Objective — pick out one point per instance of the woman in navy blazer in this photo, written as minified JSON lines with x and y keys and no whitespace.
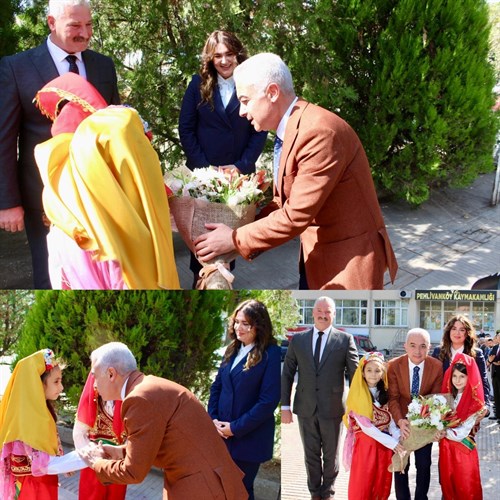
{"x":211,"y":130}
{"x":246,"y":390}
{"x":460,"y":333}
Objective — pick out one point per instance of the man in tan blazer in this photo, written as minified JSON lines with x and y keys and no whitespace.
{"x":323,"y":189}
{"x":166,"y":427}
{"x":413,"y":373}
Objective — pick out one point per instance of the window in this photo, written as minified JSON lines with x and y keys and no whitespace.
{"x":351,"y":312}
{"x":305,"y":311}
{"x":390,"y":313}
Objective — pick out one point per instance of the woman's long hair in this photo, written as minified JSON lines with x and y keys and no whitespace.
{"x":470,"y":342}
{"x":208,"y":72}
{"x":257,"y":316}
{"x":459,"y":367}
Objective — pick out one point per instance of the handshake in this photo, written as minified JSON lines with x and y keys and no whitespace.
{"x":93,"y":452}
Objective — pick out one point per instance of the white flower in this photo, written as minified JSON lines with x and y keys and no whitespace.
{"x":440,"y":399}
{"x":414,"y":407}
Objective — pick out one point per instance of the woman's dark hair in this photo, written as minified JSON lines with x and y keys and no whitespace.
{"x":459,"y":367}
{"x":208,"y":72}
{"x":50,"y":405}
{"x":383,"y":393}
{"x":257,"y":316}
{"x":470,"y":342}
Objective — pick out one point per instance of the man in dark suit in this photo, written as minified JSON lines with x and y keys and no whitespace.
{"x":321,"y":356}
{"x":414,"y":373}
{"x":323,"y":189}
{"x":22,"y":126}
{"x":166,"y":427}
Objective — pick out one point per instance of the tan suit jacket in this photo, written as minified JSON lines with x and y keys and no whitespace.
{"x":398,"y":375}
{"x":167,"y":427}
{"x":325,"y":194}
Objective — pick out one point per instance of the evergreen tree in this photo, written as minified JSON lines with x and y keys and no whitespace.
{"x":173,"y":334}
{"x":13,"y":308}
{"x":8,"y":35}
{"x":412,"y":77}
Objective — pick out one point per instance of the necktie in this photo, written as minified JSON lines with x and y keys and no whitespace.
{"x":415,"y":381}
{"x":278,"y":143}
{"x":317,"y":349}
{"x":72,"y":64}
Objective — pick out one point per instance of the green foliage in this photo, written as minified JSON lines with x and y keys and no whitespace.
{"x":412,"y":77}
{"x":173,"y":334}
{"x":494,"y":15}
{"x":282,"y":307}
{"x":8,"y":35}
{"x":13,"y":308}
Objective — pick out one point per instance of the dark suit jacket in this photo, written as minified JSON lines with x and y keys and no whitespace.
{"x":21,"y":77}
{"x":219,"y":136}
{"x":480,"y":362}
{"x":398,"y":376}
{"x":167,"y":427}
{"x":326,"y":195}
{"x":247,"y":399}
{"x":320,"y":389}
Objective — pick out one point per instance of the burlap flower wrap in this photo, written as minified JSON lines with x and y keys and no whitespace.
{"x":435,"y":414}
{"x":191,"y":215}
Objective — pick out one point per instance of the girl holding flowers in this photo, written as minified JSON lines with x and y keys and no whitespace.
{"x":31,"y":453}
{"x":458,"y":459}
{"x":372,"y":435}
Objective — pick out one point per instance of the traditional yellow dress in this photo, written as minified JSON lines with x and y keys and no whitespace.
{"x":104,"y":195}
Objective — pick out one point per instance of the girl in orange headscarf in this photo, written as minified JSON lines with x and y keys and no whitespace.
{"x":103,"y":194}
{"x":31,"y":453}
{"x":372,"y":436}
{"x":458,"y":459}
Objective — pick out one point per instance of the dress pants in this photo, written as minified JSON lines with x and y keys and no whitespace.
{"x":250,"y":469}
{"x":320,"y":438}
{"x":423,"y":466}
{"x":37,"y":231}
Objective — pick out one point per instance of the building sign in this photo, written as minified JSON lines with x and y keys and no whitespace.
{"x":454,"y":295}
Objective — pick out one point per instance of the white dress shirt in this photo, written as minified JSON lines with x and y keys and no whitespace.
{"x":59,"y":57}
{"x":324,"y":339}
{"x":226,"y":88}
{"x":244,"y":350}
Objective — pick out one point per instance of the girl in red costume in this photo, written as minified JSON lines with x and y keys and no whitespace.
{"x":31,"y":453}
{"x":458,"y":460}
{"x":98,"y":421}
{"x":372,"y":435}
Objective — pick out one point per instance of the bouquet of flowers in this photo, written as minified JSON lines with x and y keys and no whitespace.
{"x":210,"y":195}
{"x":427,"y":415}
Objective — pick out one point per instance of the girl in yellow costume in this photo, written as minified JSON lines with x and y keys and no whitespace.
{"x":103,"y":193}
{"x":372,"y":434}
{"x":31,"y":454}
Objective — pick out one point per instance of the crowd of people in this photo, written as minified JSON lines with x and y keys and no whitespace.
{"x":127,"y":422}
{"x":100,"y":177}
{"x":376,"y":411}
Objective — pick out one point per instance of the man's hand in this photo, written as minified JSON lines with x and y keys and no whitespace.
{"x":286,"y":416}
{"x":12,"y":219}
{"x":404,"y":426}
{"x":114,"y":452}
{"x":218,"y":241}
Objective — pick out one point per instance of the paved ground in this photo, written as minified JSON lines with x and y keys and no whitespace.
{"x":294,"y":481}
{"x":449,"y":242}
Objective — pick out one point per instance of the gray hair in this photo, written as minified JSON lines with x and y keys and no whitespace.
{"x":419,"y":331}
{"x":56,"y":7}
{"x":326,"y":299}
{"x":116,"y":355}
{"x":265,"y":68}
